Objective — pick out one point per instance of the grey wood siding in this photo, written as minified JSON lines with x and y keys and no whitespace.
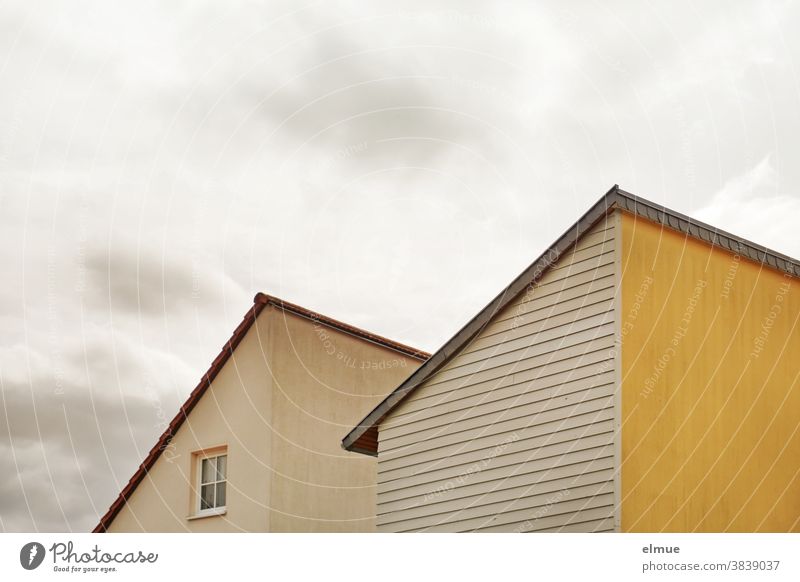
{"x":516,"y":431}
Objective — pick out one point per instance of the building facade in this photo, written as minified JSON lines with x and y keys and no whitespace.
{"x":256,"y":446}
{"x":642,"y":375}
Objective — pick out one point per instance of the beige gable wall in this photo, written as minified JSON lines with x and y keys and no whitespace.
{"x":516,"y":432}
{"x":281,"y":404}
{"x":325,"y":382}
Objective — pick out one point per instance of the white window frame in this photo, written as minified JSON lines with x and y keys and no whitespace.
{"x":201,"y":456}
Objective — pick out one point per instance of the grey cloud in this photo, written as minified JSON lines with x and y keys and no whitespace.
{"x":74,"y":451}
{"x":134,"y":280}
{"x":71,"y":435}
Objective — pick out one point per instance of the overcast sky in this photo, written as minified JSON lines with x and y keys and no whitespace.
{"x":390,"y":164}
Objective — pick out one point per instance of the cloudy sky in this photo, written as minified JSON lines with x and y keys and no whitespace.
{"x":391,"y":164}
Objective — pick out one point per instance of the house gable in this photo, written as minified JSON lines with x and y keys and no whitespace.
{"x":516,"y":432}
{"x":270,"y":385}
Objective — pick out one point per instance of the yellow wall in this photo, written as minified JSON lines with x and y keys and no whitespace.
{"x":710,"y":389}
{"x":281,"y":404}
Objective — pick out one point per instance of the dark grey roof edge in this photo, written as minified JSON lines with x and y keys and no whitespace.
{"x":615,"y":197}
{"x":706,"y":233}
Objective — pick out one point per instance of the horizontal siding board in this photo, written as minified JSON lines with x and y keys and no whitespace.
{"x":588,"y":526}
{"x":521,"y":478}
{"x":495,"y":400}
{"x":559,"y":314}
{"x":551,"y":341}
{"x":495,"y":467}
{"x":533,"y":310}
{"x":598,"y":353}
{"x":594,"y":526}
{"x":527,"y":404}
{"x":589,"y":510}
{"x":466,"y":455}
{"x":596,"y":237}
{"x":561,"y":513}
{"x":438,"y":437}
{"x":556,"y":278}
{"x":585,"y":253}
{"x":536,"y":338}
{"x":558,"y":292}
{"x":488,"y":395}
{"x":595,"y":363}
{"x":587,"y":265}
{"x":492,"y":493}
{"x":601,"y":293}
{"x":537,"y":355}
{"x":557,"y":281}
{"x":422,"y":485}
{"x":523,"y":502}
{"x":421,"y":452}
{"x":521,"y":413}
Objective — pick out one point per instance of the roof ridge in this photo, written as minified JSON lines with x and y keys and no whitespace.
{"x":340,"y":325}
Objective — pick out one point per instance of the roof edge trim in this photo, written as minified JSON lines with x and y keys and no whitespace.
{"x":341,"y":326}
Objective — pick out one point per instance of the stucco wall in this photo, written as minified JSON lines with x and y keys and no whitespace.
{"x":282,"y":403}
{"x":325,"y":382}
{"x":711,"y":400}
{"x":235,"y":411}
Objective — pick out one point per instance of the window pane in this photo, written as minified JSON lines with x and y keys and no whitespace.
{"x":208,"y":471}
{"x":221,"y":494}
{"x":206,"y":497}
{"x":222,"y":461}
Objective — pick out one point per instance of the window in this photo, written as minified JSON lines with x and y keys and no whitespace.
{"x":213,"y":478}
